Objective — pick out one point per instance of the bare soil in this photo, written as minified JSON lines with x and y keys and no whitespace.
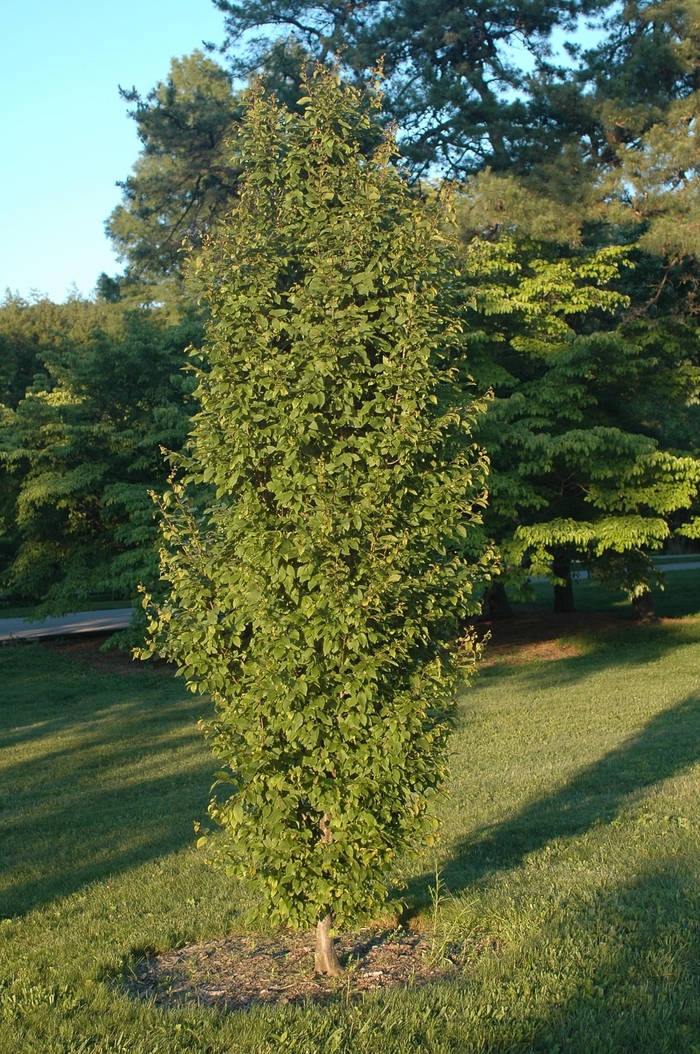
{"x":235,"y":973}
{"x":545,"y":636}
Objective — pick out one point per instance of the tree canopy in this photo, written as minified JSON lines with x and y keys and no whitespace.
{"x":464,"y":81}
{"x":577,"y":467}
{"x":577,"y":178}
{"x":184,"y":178}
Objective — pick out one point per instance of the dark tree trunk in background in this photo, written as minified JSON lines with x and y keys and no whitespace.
{"x":496,"y":604}
{"x":563,"y":595}
{"x":643,"y":607}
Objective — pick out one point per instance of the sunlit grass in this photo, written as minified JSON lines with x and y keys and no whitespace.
{"x":571,"y":837}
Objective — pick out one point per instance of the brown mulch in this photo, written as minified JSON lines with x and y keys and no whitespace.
{"x":544,"y":637}
{"x":85,"y":647}
{"x":235,"y":973}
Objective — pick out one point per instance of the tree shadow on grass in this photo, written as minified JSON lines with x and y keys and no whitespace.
{"x":98,"y":776}
{"x":89,"y":835}
{"x":44,"y":695}
{"x":665,"y":747}
{"x":624,"y":644}
{"x":637,"y":988}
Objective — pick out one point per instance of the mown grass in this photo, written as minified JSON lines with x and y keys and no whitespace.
{"x":571,"y":837}
{"x":680,"y":595}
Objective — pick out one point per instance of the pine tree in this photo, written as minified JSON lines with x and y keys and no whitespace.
{"x":461,"y":100}
{"x":184,"y":178}
{"x":321,"y":544}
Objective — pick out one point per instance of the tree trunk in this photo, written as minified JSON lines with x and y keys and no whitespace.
{"x":563,"y":595}
{"x":326,"y":958}
{"x":496,"y":604}
{"x":643,"y":607}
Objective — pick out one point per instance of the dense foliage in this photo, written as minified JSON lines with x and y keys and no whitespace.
{"x":453,"y":85}
{"x":577,"y":468}
{"x":320,"y":583}
{"x":183,"y":180}
{"x":81,"y":449}
{"x":578,"y":176}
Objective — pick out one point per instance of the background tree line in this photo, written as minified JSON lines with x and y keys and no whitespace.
{"x":576,"y":276}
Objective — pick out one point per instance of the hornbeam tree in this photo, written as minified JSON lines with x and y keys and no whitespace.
{"x":321,"y":542}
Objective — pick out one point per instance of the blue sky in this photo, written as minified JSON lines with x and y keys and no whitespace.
{"x":65,"y":138}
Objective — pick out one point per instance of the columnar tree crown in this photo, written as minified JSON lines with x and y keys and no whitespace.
{"x":322,"y":544}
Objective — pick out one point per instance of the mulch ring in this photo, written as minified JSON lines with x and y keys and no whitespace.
{"x":236,"y":973}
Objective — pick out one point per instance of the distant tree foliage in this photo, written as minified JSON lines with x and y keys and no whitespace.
{"x":454,"y":85}
{"x":577,"y":468}
{"x":185,"y":177}
{"x":578,"y":185}
{"x":81,"y":449}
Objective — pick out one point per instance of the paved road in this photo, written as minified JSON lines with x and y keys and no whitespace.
{"x":81,"y":622}
{"x":682,"y":565}
{"x":661,"y":565}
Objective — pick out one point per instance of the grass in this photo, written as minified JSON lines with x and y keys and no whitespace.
{"x":679,"y":597}
{"x":571,"y":837}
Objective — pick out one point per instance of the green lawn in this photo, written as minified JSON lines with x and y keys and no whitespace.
{"x":572,"y":837}
{"x":680,"y":596}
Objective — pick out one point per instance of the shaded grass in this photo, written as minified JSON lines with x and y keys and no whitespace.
{"x":679,"y":597}
{"x":571,"y":835}
{"x":95,"y":778}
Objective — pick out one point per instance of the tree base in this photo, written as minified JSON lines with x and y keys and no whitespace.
{"x":326,"y":959}
{"x":563,"y":594}
{"x":495,"y":604}
{"x":564,"y":599}
{"x":643,"y":608}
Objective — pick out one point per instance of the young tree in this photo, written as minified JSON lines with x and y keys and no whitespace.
{"x":320,"y":580}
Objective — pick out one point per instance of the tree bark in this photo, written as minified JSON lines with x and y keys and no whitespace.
{"x":563,"y":595}
{"x":643,"y":607}
{"x":496,"y":604}
{"x":326,"y":958}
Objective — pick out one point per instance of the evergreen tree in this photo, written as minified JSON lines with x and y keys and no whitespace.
{"x":460,"y":98}
{"x":81,"y":450}
{"x":183,"y":180}
{"x":320,"y":580}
